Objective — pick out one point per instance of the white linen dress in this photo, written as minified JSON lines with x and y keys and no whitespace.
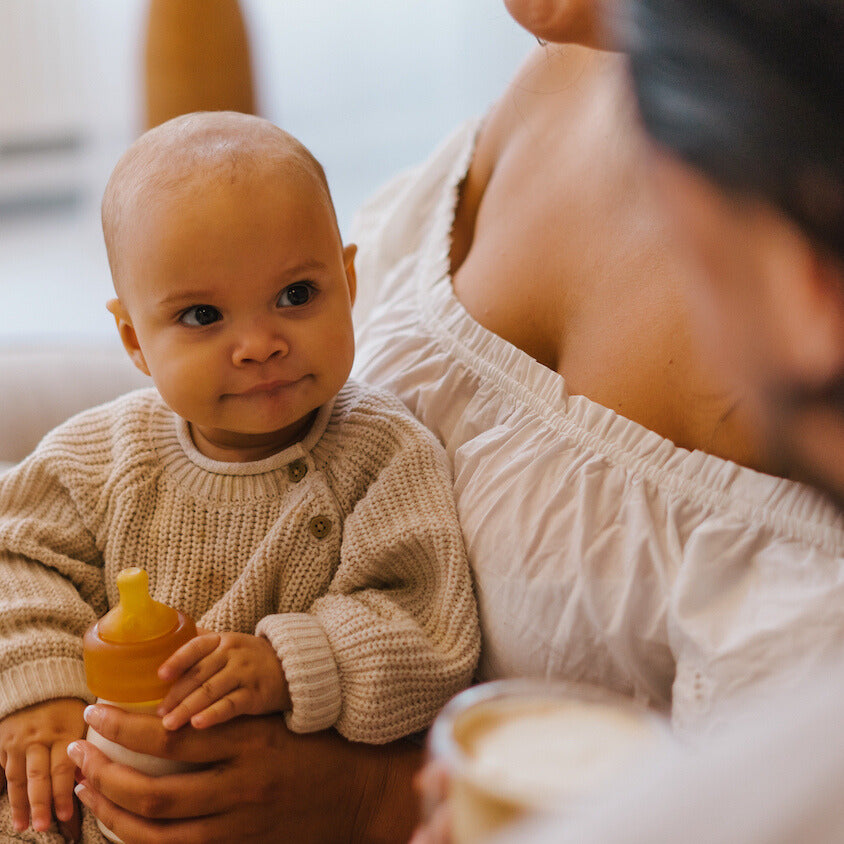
{"x":600,"y":550}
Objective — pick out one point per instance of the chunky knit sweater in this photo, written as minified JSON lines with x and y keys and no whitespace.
{"x":343,"y":550}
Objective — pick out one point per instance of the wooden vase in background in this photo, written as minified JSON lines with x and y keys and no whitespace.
{"x":196,"y":58}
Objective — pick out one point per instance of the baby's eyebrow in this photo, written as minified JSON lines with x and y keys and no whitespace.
{"x":305,"y":266}
{"x":199,"y":296}
{"x":186,"y":297}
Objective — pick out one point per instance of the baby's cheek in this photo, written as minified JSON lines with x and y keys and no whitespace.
{"x":190,"y":388}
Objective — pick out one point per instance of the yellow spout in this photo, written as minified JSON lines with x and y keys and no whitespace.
{"x":137,"y":617}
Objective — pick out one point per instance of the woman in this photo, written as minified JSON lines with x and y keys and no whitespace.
{"x":744,"y":102}
{"x":531,"y":311}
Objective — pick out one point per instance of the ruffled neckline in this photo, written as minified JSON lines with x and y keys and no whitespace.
{"x":800,"y":510}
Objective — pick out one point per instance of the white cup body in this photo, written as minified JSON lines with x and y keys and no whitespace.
{"x":515,"y":747}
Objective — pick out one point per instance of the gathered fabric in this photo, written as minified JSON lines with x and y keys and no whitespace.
{"x":601,"y":551}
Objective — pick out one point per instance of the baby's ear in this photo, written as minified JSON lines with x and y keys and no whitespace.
{"x":127,"y":334}
{"x":349,"y":253}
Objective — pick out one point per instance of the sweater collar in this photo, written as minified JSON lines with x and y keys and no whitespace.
{"x":257,"y":467}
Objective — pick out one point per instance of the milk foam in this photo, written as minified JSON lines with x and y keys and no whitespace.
{"x":542,"y":753}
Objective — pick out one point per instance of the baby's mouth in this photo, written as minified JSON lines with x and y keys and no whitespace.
{"x":268,"y":387}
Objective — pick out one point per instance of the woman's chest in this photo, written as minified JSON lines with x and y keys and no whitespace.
{"x":549,"y":251}
{"x":575,"y":268}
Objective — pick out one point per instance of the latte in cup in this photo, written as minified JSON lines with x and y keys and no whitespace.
{"x":516,"y":746}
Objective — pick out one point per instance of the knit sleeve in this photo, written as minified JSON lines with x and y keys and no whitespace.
{"x":51,"y":585}
{"x":397,"y":633}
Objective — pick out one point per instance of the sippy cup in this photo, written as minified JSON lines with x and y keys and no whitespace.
{"x":123,"y":652}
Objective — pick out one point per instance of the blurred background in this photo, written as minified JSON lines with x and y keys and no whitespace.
{"x":371,"y":86}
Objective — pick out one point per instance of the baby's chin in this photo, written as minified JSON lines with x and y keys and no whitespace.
{"x":277,"y":433}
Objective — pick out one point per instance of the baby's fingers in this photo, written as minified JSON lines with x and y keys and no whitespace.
{"x":189,"y":655}
{"x":237,"y":702}
{"x":39,"y":786}
{"x":16,"y":786}
{"x":209,"y":693}
{"x":199,"y":686}
{"x":61,"y":769}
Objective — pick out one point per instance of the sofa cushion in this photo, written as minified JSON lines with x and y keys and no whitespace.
{"x":42,"y":384}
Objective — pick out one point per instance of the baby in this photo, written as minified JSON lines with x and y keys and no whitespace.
{"x":305,"y":519}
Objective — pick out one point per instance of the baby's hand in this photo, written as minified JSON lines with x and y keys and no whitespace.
{"x":219,"y":676}
{"x":33,"y":753}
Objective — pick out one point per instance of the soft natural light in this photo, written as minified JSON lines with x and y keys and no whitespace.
{"x":371,"y":86}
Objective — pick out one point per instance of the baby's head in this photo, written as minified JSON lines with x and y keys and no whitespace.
{"x":234,"y":290}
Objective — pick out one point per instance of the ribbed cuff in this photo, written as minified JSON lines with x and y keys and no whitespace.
{"x":45,"y":679}
{"x":310,"y":669}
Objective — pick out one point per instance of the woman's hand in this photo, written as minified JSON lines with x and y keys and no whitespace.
{"x":259,"y":783}
{"x":431,"y":782}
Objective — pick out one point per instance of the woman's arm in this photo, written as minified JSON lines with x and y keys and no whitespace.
{"x":196,"y":58}
{"x":259,"y":782}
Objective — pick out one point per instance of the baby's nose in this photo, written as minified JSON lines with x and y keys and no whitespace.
{"x":259,"y":343}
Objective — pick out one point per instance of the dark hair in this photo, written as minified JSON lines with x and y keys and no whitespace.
{"x":752,"y":93}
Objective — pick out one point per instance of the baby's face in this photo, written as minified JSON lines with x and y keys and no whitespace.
{"x":239,"y":293}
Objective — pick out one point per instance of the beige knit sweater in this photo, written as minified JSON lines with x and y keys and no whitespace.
{"x":344,"y":551}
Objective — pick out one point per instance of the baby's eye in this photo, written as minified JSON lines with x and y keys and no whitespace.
{"x":200,"y":315}
{"x":296,"y":295}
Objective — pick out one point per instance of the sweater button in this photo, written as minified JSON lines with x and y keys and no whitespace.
{"x":320,"y":526}
{"x":297,"y":470}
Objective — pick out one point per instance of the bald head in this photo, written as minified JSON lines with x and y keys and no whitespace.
{"x":183,"y":154}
